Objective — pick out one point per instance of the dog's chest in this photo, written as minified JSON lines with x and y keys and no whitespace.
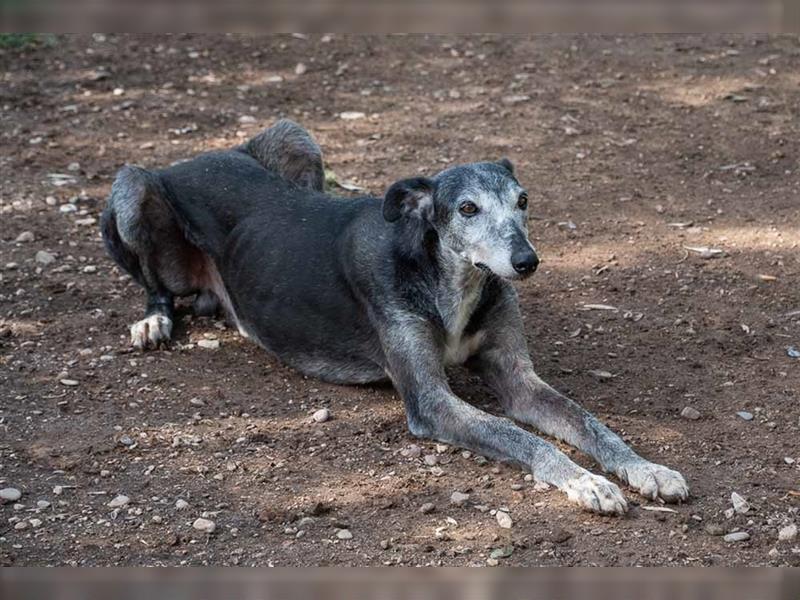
{"x":456,"y":307}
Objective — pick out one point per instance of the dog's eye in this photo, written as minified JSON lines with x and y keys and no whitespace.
{"x":522,"y":202}
{"x":468,"y":208}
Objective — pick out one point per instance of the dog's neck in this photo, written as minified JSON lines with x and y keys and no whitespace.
{"x":458,"y":290}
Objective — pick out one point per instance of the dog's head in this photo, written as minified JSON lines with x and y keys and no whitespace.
{"x":479,"y":212}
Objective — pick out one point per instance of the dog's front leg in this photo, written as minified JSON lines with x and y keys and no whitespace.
{"x":506,"y":366}
{"x":433,"y":411}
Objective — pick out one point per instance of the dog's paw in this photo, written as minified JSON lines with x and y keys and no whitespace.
{"x":597,"y":494}
{"x":151,"y":332}
{"x":654,"y":481}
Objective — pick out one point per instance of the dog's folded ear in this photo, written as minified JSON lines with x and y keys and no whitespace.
{"x":506,"y":164}
{"x":409,"y":198}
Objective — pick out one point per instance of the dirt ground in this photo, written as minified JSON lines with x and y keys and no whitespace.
{"x":633,"y":149}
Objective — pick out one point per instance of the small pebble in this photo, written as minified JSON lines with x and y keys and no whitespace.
{"x":25,"y":236}
{"x":21,"y":525}
{"x":42,"y":504}
{"x":44,"y":258}
{"x":740,"y":505}
{"x":208,"y":344}
{"x":180,"y":504}
{"x":68,"y":382}
{"x":322,"y":415}
{"x":714,"y":529}
{"x":204,"y":525}
{"x":35,"y":522}
{"x":458,"y":498}
{"x":738,"y":536}
{"x":504,"y":519}
{"x":300,"y":69}
{"x":10,"y":494}
{"x":344,"y":534}
{"x":690,"y":413}
{"x":788,"y":533}
{"x":119,"y":501}
{"x":427,"y":508}
{"x":747,"y":416}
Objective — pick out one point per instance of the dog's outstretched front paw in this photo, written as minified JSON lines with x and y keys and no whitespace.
{"x":597,"y":494}
{"x":654,"y":481}
{"x":151,"y":332}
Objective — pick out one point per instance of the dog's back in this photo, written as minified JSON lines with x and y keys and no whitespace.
{"x":166,"y":228}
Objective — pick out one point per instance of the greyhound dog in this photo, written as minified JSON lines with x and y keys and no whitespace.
{"x":361,"y":290}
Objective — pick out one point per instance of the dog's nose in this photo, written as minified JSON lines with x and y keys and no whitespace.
{"x":525,"y":262}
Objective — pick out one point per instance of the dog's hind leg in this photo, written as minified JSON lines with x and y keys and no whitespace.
{"x":289,"y":150}
{"x":506,"y":367}
{"x":144,"y":239}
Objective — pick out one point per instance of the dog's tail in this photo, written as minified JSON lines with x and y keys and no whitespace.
{"x":289,"y":150}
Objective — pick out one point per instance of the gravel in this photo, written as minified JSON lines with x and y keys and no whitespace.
{"x":10,"y":494}
{"x":204,"y":525}
{"x":44,"y":258}
{"x":427,"y":508}
{"x":740,"y":505}
{"x":322,"y":415}
{"x":788,"y":533}
{"x":504,"y":519}
{"x":459,"y":498}
{"x":119,"y":501}
{"x":737,"y":536}
{"x":690,"y":413}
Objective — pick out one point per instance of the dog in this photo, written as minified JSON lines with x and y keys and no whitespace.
{"x":355,"y":291}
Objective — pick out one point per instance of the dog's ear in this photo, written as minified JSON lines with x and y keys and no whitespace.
{"x":506,"y":164}
{"x":409,"y":198}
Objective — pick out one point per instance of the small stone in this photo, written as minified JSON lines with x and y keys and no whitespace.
{"x":714,"y":529}
{"x":74,"y":167}
{"x":385,"y":545}
{"x":51,"y":201}
{"x":300,"y":69}
{"x":774,"y":553}
{"x":458,"y":498}
{"x":427,"y":508}
{"x":181,"y":504}
{"x":560,"y":535}
{"x":413,"y":451}
{"x":247,"y":119}
{"x":10,"y":494}
{"x":44,"y":258}
{"x":517,"y":99}
{"x":344,"y":534}
{"x":738,"y":536}
{"x":747,"y":416}
{"x":58,"y":490}
{"x":197,"y":402}
{"x":35,"y":522}
{"x":208,"y":344}
{"x":68,"y":382}
{"x":119,"y":501}
{"x":204,"y":525}
{"x":788,"y":533}
{"x":21,"y":525}
{"x":321,"y":415}
{"x":42,"y":504}
{"x":89,"y":269}
{"x":541,"y":486}
{"x":690,"y":413}
{"x":431,"y":460}
{"x":503,"y":552}
{"x":25,"y":236}
{"x":504,"y":519}
{"x":740,"y":505}
{"x":126,"y":440}
{"x":351,"y":115}
{"x":492,"y":562}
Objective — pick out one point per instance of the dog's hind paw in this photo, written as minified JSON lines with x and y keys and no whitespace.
{"x":654,"y":481}
{"x":151,"y":332}
{"x":597,"y":494}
